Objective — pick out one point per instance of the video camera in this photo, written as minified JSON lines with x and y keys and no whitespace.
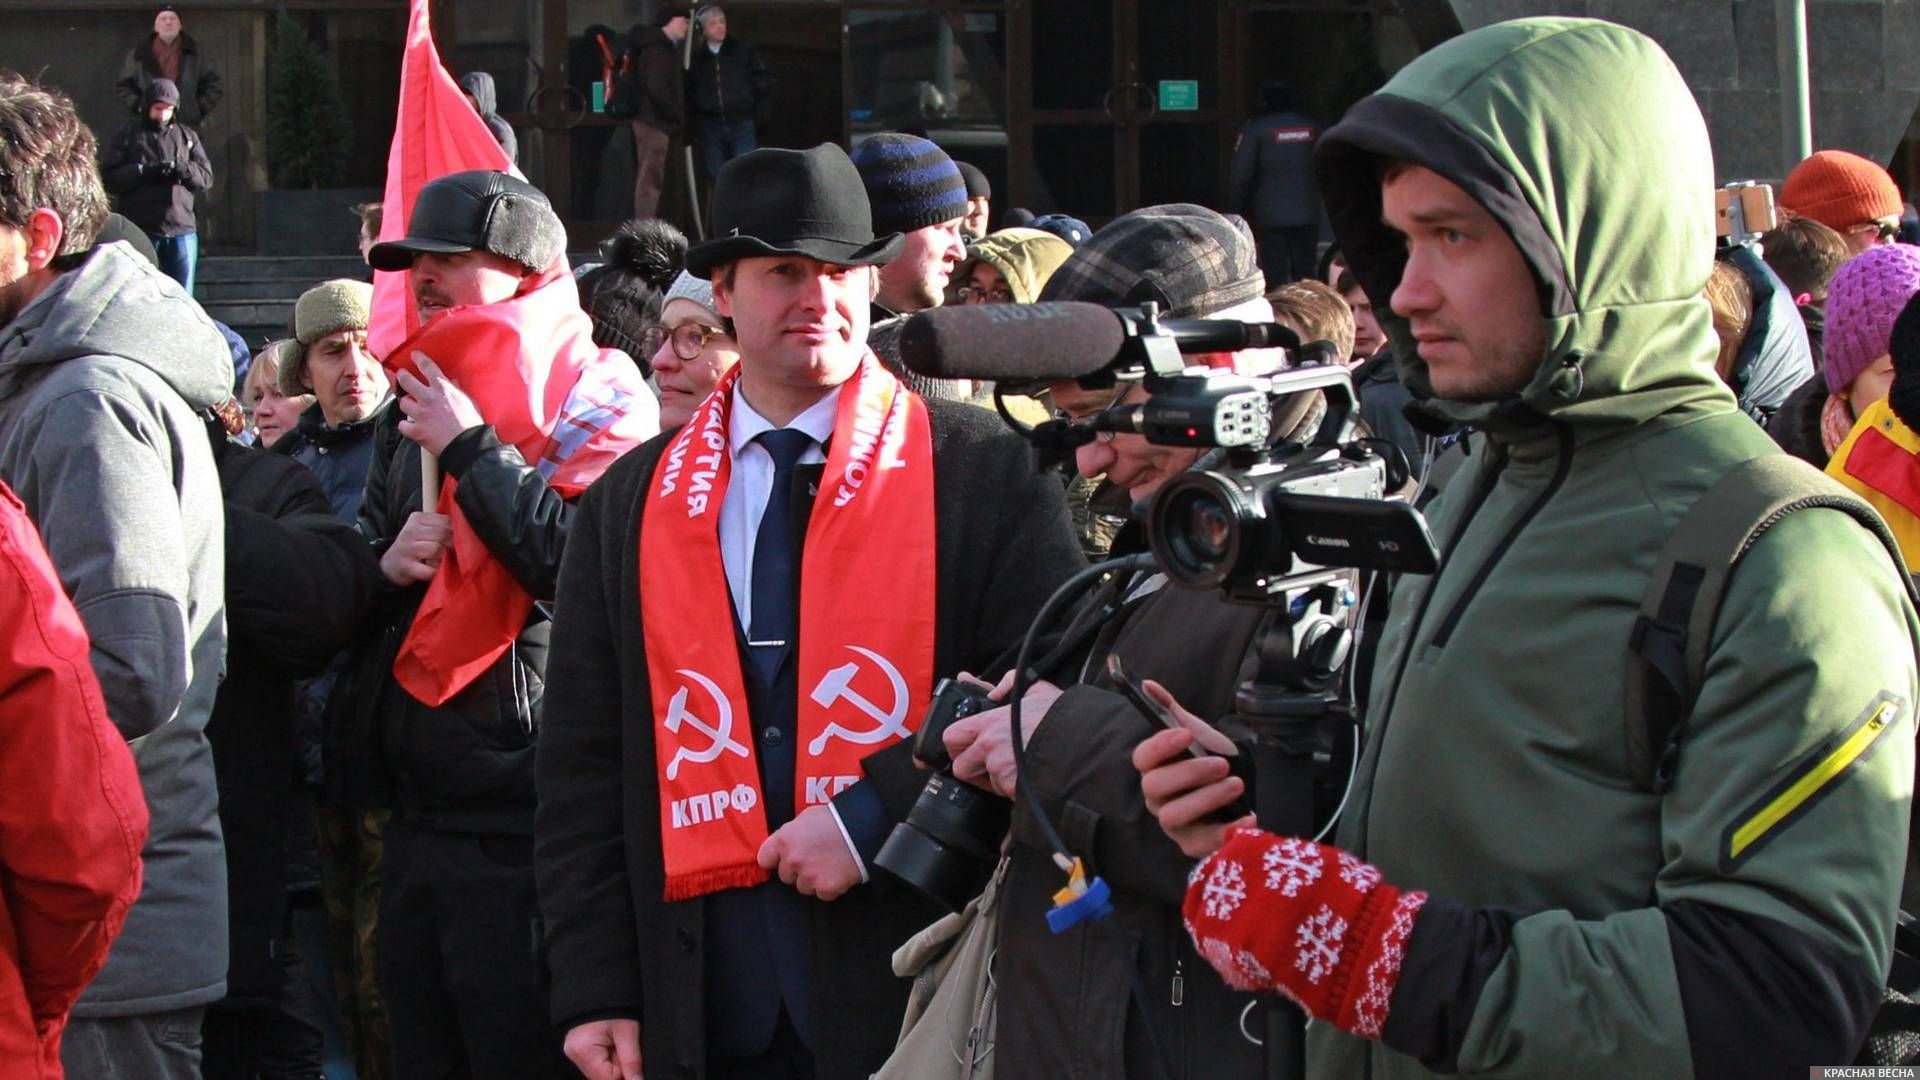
{"x":1273,"y":522}
{"x":1272,"y":510}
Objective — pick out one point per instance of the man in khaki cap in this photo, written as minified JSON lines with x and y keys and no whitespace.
{"x":328,"y":359}
{"x":349,"y":386}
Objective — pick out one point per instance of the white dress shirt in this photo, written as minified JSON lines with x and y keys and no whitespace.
{"x":752,"y":484}
{"x":748,"y":490}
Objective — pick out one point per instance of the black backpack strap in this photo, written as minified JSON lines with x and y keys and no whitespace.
{"x":1689,"y":581}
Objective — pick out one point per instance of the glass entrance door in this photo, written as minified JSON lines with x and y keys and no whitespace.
{"x":1124,"y":106}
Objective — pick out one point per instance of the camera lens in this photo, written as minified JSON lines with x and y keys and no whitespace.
{"x":950,"y":842}
{"x":1209,"y":529}
{"x":1199,"y":529}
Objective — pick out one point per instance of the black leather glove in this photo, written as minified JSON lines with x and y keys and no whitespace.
{"x":164,"y":170}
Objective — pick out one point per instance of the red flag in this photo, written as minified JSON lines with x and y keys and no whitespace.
{"x":529,"y":364}
{"x":570,"y":407}
{"x":435,"y":133}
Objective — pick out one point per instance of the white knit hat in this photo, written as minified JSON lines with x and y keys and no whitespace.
{"x":698,"y":290}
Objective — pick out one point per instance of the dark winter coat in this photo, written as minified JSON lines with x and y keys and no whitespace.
{"x":727,"y":87}
{"x":466,"y":765}
{"x":1066,"y":1002}
{"x":1272,"y":180}
{"x":480,"y":85}
{"x":200,"y":87}
{"x":1815,"y":320}
{"x":1796,"y":427}
{"x":615,"y":947}
{"x":1383,"y":404}
{"x":298,"y":581}
{"x":135,"y":168}
{"x":663,"y":90}
{"x":338,"y":456}
{"x":1775,"y":357}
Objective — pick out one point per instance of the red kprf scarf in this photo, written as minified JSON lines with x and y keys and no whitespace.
{"x":866,"y":624}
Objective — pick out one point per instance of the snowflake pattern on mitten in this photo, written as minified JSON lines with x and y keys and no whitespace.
{"x":1314,"y":923}
{"x":1356,"y":873}
{"x":1225,"y":890}
{"x":1291,"y":866}
{"x":1318,"y":940}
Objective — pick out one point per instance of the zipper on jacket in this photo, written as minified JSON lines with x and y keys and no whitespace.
{"x":1480,"y":496}
{"x":522,"y":695}
{"x":1564,"y":466}
{"x":1177,"y":996}
{"x":1383,"y":708}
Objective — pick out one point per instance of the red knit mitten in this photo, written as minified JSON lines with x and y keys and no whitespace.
{"x":1308,"y":920}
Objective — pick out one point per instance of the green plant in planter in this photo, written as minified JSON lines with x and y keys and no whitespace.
{"x":307,"y":134}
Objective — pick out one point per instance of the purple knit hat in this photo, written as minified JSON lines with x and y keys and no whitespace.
{"x":1866,"y":295}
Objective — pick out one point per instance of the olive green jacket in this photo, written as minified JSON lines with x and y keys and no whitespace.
{"x":1741,"y":923}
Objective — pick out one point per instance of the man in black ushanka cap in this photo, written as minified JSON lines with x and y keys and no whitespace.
{"x":726,"y":749}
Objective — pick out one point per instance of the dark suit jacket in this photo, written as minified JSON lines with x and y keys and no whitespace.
{"x":614,"y":946}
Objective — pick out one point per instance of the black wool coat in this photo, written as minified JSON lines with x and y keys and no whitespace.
{"x":615,"y":947}
{"x":200,"y":85}
{"x":298,"y":581}
{"x":160,"y":205}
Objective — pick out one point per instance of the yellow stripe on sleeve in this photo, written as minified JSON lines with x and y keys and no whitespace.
{"x":1818,"y":775}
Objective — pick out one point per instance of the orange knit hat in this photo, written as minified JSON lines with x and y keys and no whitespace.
{"x":1840,"y":190}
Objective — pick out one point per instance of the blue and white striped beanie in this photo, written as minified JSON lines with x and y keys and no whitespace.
{"x":911,"y":183}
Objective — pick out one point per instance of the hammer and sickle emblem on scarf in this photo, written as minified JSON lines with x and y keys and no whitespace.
{"x":837,"y":685}
{"x":721,"y":735}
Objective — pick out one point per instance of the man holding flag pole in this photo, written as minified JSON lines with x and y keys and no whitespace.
{"x":477,"y":318}
{"x":503,"y":385}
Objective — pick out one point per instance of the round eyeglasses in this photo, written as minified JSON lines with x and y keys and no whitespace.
{"x":688,"y":339}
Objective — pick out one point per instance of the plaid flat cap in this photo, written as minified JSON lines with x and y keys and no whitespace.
{"x":1190,"y":260}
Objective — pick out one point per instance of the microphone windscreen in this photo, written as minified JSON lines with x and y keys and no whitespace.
{"x":1012,"y":342}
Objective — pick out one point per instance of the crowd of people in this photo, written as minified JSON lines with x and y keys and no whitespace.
{"x":569,"y":656}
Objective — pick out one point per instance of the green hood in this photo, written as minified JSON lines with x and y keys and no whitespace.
{"x":1608,"y":195}
{"x":1026,"y":258}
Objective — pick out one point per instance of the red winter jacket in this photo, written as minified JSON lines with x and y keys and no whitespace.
{"x":72,"y":815}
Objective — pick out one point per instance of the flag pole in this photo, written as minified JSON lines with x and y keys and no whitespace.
{"x":429,"y":481}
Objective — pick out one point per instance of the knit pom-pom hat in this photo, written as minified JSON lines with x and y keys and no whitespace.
{"x":1863,"y":300}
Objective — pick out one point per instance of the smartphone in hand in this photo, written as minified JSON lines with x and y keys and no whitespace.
{"x":1161,"y":717}
{"x":1149,"y":708}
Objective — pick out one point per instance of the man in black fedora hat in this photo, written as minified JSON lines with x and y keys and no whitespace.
{"x":726,"y":747}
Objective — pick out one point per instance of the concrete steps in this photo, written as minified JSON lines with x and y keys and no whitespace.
{"x":255,"y":294}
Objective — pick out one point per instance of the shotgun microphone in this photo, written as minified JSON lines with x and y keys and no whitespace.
{"x":1029,"y":343}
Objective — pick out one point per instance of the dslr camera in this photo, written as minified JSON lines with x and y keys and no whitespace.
{"x":950,"y":841}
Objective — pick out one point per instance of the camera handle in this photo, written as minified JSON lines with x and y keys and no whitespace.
{"x":1294,"y":692}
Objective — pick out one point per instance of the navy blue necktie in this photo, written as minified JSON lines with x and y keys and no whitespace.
{"x":772,"y":585}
